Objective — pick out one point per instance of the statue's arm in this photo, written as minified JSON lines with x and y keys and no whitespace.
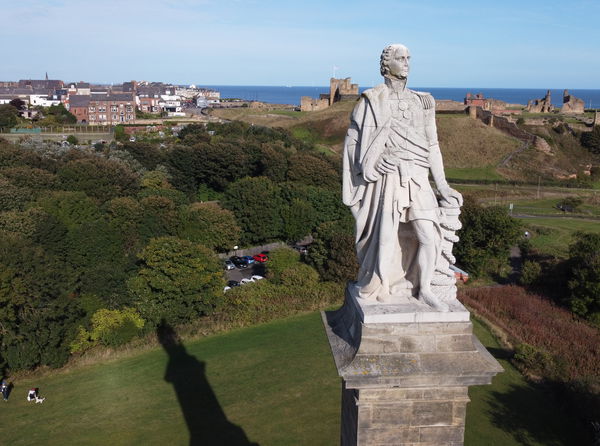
{"x":435,"y":159}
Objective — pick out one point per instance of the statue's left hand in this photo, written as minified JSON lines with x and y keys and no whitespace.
{"x":451,"y":195}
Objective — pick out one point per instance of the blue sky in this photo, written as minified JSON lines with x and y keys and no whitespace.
{"x":454,"y":43}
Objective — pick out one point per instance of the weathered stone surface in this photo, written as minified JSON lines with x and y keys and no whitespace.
{"x":405,"y":383}
{"x":543,"y":105}
{"x":571,"y":104}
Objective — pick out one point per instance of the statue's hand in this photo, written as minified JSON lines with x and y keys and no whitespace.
{"x":450,"y":195}
{"x":385,"y":166}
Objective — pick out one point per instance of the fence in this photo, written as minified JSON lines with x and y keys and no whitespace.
{"x":62,"y":129}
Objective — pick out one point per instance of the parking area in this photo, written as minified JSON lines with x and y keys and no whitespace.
{"x":238,"y":274}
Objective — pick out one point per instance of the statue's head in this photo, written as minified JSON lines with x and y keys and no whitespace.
{"x":395,"y":61}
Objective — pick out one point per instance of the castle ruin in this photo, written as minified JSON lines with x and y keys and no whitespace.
{"x":543,"y":105}
{"x":571,"y":104}
{"x":339,"y":90}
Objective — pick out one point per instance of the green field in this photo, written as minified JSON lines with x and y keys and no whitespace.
{"x":554,"y":235}
{"x":273,"y":384}
{"x":473,"y":173}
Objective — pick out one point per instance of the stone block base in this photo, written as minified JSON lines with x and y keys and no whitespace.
{"x":405,"y":383}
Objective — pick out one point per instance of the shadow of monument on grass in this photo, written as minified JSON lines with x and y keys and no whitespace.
{"x":533,"y":415}
{"x":205,"y":419}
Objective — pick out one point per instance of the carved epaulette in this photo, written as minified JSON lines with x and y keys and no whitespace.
{"x":426,"y":99}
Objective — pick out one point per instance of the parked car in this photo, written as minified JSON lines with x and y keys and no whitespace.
{"x":232,"y":283}
{"x":257,"y":277}
{"x":249,"y":259}
{"x":244,"y":281}
{"x":240,"y":262}
{"x":229,"y":265}
{"x":261,"y":258}
{"x":301,"y":249}
{"x":227,"y":288}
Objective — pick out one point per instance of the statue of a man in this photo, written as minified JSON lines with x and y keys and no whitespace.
{"x":390,"y":149}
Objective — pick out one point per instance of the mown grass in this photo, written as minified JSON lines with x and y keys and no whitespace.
{"x":554,"y":235}
{"x":473,"y":173}
{"x":273,"y":384}
{"x":548,"y":206}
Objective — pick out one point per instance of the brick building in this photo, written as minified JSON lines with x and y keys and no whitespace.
{"x":111,"y":109}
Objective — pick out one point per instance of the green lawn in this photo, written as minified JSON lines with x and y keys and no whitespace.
{"x":547,"y":206}
{"x":554,"y":235}
{"x":273,"y":384}
{"x":473,"y":173}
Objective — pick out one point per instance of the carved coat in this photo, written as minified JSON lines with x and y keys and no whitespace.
{"x":400,"y":127}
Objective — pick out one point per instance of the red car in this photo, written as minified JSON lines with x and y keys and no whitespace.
{"x":260,"y":258}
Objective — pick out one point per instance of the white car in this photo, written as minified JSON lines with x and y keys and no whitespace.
{"x":227,"y":288}
{"x":257,"y":277}
{"x":244,"y":281}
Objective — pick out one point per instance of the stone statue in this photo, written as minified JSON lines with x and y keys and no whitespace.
{"x":404,"y":235}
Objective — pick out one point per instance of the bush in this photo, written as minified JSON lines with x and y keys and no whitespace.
{"x":72,"y":139}
{"x":299,"y":276}
{"x":530,"y":273}
{"x":281,"y":259}
{"x":110,"y":328}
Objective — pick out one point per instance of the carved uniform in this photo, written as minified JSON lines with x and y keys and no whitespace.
{"x":399,"y":126}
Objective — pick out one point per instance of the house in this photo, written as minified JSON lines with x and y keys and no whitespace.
{"x":109,"y":109}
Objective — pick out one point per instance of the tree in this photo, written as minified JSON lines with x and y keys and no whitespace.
{"x":591,"y":140}
{"x":333,"y":251}
{"x":37,"y":316}
{"x":210,"y":225}
{"x":257,"y":206}
{"x":70,"y":208}
{"x":58,"y":114}
{"x":299,"y":218}
{"x":315,"y":170}
{"x":17,"y":103}
{"x":8,"y":116}
{"x":486,"y":237}
{"x":584,"y":272}
{"x":98,"y":178}
{"x":178,"y":281}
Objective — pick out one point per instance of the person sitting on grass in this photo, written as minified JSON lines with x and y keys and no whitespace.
{"x":33,"y":396}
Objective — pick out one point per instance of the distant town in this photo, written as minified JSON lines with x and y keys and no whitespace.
{"x":107,"y":104}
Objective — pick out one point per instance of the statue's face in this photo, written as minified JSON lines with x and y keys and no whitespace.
{"x":399,"y":65}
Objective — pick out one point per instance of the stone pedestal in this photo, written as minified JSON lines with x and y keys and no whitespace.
{"x":405,"y":371}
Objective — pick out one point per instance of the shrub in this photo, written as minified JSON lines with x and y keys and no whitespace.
{"x":110,"y":328}
{"x":281,"y":259}
{"x":72,"y":139}
{"x":530,"y":273}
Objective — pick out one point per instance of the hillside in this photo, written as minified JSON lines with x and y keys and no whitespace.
{"x":465,"y":143}
{"x":472,"y":150}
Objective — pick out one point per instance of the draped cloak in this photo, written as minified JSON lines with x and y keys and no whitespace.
{"x":384,"y":205}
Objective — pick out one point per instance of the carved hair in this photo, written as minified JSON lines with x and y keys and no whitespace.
{"x":386,"y":56}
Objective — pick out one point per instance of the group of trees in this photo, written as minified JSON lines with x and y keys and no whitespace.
{"x":99,"y":245}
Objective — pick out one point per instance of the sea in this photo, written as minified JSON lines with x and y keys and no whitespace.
{"x":292,"y":95}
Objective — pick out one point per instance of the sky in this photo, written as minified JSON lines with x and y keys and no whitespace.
{"x":453,"y":43}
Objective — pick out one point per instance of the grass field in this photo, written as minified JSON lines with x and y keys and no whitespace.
{"x":273,"y":384}
{"x":554,"y":235}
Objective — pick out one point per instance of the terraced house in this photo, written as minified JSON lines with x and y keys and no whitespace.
{"x":111,"y":108}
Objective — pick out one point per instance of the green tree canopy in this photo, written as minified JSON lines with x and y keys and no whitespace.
{"x":486,"y":237}
{"x":99,"y":178}
{"x":210,"y":225}
{"x":257,"y":206}
{"x":333,"y":251}
{"x":178,"y":280}
{"x":584,"y":274}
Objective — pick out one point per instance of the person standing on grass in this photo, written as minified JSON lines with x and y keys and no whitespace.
{"x":4,"y":389}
